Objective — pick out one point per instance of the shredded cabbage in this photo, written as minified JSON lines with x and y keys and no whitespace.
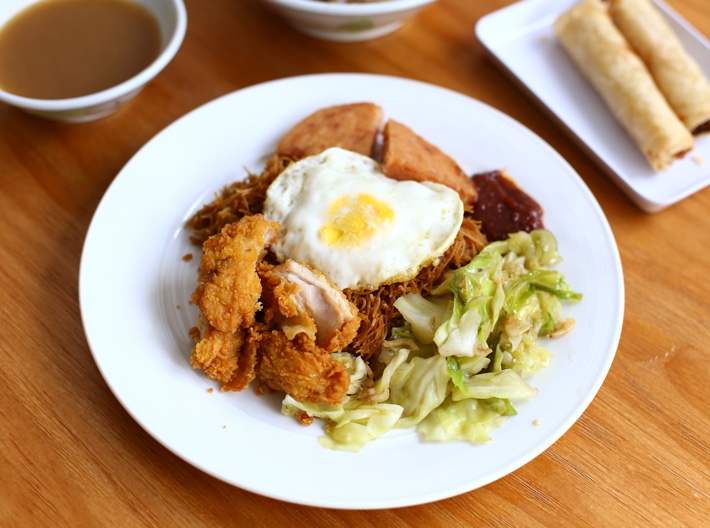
{"x":463,"y":353}
{"x":468,"y":419}
{"x":419,"y":386}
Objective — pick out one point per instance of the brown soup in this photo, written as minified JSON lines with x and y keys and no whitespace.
{"x":57,"y":49}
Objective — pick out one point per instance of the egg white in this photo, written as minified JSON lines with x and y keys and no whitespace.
{"x":341,"y":215}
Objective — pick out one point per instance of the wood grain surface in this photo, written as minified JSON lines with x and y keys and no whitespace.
{"x":70,"y":455}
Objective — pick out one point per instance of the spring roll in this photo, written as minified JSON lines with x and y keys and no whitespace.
{"x":602,"y":54}
{"x":676,"y":73}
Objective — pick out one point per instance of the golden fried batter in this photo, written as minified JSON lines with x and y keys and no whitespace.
{"x":229,"y":358}
{"x":283,"y":308}
{"x":299,"y":368}
{"x":246,"y":366}
{"x":311,"y":319}
{"x":217,"y":353}
{"x":302,"y":299}
{"x":229,"y":288}
{"x":305,"y":318}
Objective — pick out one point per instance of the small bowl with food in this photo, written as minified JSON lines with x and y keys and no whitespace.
{"x":79,"y":60}
{"x":346,"y":20}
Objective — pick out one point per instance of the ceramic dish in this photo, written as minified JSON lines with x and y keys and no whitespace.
{"x":171,"y":17}
{"x":135,"y":287}
{"x":346,"y":22}
{"x":522,"y":40}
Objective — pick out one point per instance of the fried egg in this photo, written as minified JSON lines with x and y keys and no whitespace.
{"x":361,"y":229}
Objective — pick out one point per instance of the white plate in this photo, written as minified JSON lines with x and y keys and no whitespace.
{"x":522,"y":40}
{"x":133,"y":278}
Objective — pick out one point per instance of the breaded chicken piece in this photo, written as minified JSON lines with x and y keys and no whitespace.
{"x":305,"y":318}
{"x":312,"y":319}
{"x":224,"y":356}
{"x":215,"y":352}
{"x":246,"y":365}
{"x":302,"y":299}
{"x":283,"y":308}
{"x":229,"y":288}
{"x":299,"y":368}
{"x":406,"y":156}
{"x":352,"y":127}
{"x":228,"y":298}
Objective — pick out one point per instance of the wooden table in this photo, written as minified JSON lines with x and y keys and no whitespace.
{"x":71,"y":455}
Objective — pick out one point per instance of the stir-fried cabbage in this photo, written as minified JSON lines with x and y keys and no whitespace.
{"x":463,"y":353}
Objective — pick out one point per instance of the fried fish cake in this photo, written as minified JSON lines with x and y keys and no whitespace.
{"x":352,"y":127}
{"x":407,"y":156}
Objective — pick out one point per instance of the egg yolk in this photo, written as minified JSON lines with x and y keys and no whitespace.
{"x":353,"y":220}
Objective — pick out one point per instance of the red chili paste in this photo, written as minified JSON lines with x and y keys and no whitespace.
{"x":503,"y":208}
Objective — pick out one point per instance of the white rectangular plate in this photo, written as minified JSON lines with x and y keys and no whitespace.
{"x":522,"y":40}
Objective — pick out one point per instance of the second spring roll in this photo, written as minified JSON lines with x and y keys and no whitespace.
{"x":677,"y":74}
{"x":601,"y":53}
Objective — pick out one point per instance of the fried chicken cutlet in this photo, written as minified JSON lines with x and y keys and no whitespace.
{"x":224,"y":356}
{"x":313,"y":319}
{"x":228,"y":298}
{"x":229,"y":288}
{"x":289,"y":345}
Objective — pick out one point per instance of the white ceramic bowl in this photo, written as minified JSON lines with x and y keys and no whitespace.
{"x":172,"y":20}
{"x":346,"y":22}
